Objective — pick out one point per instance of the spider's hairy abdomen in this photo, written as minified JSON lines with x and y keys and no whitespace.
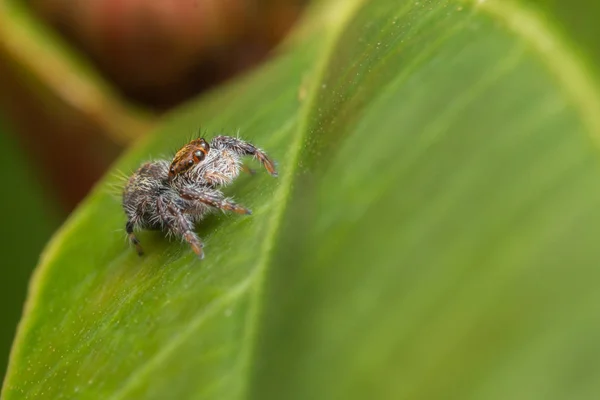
{"x":142,"y":191}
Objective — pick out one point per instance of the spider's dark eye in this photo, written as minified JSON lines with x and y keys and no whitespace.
{"x":172,"y":170}
{"x":199,"y":155}
{"x":204,"y":145}
{"x":190,"y":162}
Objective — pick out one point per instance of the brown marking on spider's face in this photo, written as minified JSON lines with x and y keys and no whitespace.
{"x":188,"y":156}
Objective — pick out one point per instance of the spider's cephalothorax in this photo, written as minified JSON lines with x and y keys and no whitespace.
{"x":172,"y":197}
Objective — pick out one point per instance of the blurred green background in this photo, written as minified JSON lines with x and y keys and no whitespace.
{"x":29,"y":216}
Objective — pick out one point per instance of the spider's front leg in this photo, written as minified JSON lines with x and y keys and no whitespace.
{"x":244,"y":148}
{"x":212,"y":198}
{"x":171,"y":216}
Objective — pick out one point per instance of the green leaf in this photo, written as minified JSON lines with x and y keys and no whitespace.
{"x":433,"y":232}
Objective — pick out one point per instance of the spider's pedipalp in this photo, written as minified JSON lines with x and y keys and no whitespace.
{"x":248,"y":170}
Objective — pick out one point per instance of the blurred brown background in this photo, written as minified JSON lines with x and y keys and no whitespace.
{"x":79,"y":81}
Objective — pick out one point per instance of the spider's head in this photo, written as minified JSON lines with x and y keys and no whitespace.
{"x":189,"y":155}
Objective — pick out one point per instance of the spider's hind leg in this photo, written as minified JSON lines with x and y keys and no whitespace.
{"x":133,"y":239}
{"x":180,"y":225}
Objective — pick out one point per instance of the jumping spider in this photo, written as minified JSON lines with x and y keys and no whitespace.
{"x":172,"y":197}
